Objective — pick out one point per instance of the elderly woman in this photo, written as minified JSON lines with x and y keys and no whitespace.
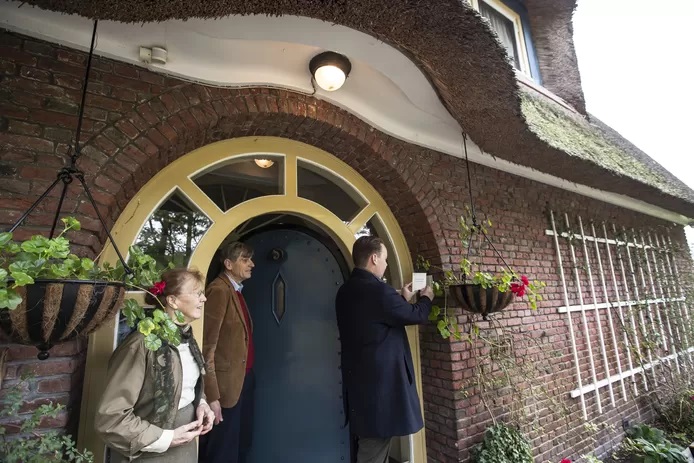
{"x":153,"y":406}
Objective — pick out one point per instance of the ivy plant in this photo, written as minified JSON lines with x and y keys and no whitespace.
{"x":32,"y":446}
{"x":502,"y":444}
{"x":39,"y":257}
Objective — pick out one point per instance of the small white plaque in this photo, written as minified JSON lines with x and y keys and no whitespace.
{"x":419,"y":281}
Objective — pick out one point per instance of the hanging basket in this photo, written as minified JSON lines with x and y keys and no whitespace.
{"x":54,"y":311}
{"x":474,"y":298}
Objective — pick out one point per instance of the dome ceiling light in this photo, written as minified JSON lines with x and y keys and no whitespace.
{"x":264,"y":163}
{"x":330,"y":70}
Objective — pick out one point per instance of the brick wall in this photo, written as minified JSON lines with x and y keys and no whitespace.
{"x":137,"y":122}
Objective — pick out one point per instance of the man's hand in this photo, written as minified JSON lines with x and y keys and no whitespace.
{"x":186,"y":433}
{"x":428,"y":292}
{"x":406,"y":292}
{"x":206,"y":416}
{"x":217,"y":410}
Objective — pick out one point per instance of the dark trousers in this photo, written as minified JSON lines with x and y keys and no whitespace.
{"x":373,"y":449}
{"x":231,"y":439}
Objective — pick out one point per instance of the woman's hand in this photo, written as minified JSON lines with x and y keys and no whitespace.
{"x":205,"y":416}
{"x":186,"y":433}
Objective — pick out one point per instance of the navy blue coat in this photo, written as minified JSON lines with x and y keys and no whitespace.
{"x":377,"y":371}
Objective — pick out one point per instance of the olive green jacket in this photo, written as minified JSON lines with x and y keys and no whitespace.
{"x":127,"y":405}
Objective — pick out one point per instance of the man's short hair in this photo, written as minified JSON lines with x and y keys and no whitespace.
{"x":364,"y":248}
{"x":234,"y":250}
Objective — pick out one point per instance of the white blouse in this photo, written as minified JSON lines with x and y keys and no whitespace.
{"x":191,"y":373}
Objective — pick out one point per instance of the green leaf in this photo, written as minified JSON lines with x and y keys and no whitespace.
{"x":59,"y":248}
{"x":86,"y":263}
{"x":71,"y":223}
{"x":35,"y":245}
{"x":9,"y":299}
{"x":59,"y":271}
{"x":152,"y":342}
{"x":180,"y":318}
{"x":12,"y":248}
{"x":169,"y":326}
{"x":443,"y":329}
{"x":5,"y":238}
{"x":131,"y":309}
{"x":146,"y":326}
{"x":159,"y":316}
{"x":22,"y":279}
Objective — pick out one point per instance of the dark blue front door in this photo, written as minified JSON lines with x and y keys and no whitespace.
{"x":298,"y":405}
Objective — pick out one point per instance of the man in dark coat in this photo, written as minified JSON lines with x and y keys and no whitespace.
{"x":378,"y":376}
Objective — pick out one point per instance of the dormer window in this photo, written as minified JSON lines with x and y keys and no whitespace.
{"x":509,"y":28}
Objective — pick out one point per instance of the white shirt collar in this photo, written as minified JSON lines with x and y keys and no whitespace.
{"x":237,"y":286}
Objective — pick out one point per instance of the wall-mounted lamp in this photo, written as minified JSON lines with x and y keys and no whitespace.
{"x":264,"y":163}
{"x":330,"y":69}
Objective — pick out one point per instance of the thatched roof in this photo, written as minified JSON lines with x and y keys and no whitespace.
{"x":590,"y":140}
{"x":456,"y":49}
{"x":552,"y":29}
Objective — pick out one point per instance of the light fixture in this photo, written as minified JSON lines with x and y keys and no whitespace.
{"x":330,"y":69}
{"x":264,"y":163}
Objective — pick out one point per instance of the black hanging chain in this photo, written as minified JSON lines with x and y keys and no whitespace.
{"x":67,"y":174}
{"x":476,"y":227}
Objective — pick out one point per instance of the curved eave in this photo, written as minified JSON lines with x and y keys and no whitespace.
{"x":454,"y":47}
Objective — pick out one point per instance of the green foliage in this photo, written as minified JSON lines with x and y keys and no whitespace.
{"x":591,"y":459}
{"x":645,"y":444}
{"x":33,"y":446}
{"x":21,"y":263}
{"x":447,"y":324}
{"x":507,"y":280}
{"x":676,"y":411}
{"x":502,"y":444}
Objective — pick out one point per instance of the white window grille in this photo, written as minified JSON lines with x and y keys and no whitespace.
{"x":624,"y":306}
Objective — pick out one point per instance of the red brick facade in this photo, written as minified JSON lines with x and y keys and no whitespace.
{"x":137,"y":122}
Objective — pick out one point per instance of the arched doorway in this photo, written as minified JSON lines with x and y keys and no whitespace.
{"x":225,"y":187}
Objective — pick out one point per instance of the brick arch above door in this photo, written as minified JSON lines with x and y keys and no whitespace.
{"x":123,"y":156}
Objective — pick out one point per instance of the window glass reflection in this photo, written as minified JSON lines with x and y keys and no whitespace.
{"x":243,"y":179}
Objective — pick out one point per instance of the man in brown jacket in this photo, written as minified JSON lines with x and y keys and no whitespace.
{"x":228,"y":351}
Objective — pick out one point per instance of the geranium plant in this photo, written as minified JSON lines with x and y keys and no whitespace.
{"x":508,"y":280}
{"x":39,"y":257}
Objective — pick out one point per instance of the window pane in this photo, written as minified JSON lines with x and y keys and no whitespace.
{"x":504,"y":29}
{"x":172,"y":233}
{"x":333,"y":194}
{"x":243,"y":179}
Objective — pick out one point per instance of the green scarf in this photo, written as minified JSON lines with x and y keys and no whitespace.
{"x":162,"y":371}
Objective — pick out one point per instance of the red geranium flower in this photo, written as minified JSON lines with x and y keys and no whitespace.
{"x":526,"y":282}
{"x":518,"y":288}
{"x":158,"y":288}
{"x":565,"y":460}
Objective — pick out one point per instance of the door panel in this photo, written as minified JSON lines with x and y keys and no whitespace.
{"x":298,"y":404}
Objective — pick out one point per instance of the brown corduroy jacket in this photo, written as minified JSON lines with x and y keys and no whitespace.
{"x":225,"y":343}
